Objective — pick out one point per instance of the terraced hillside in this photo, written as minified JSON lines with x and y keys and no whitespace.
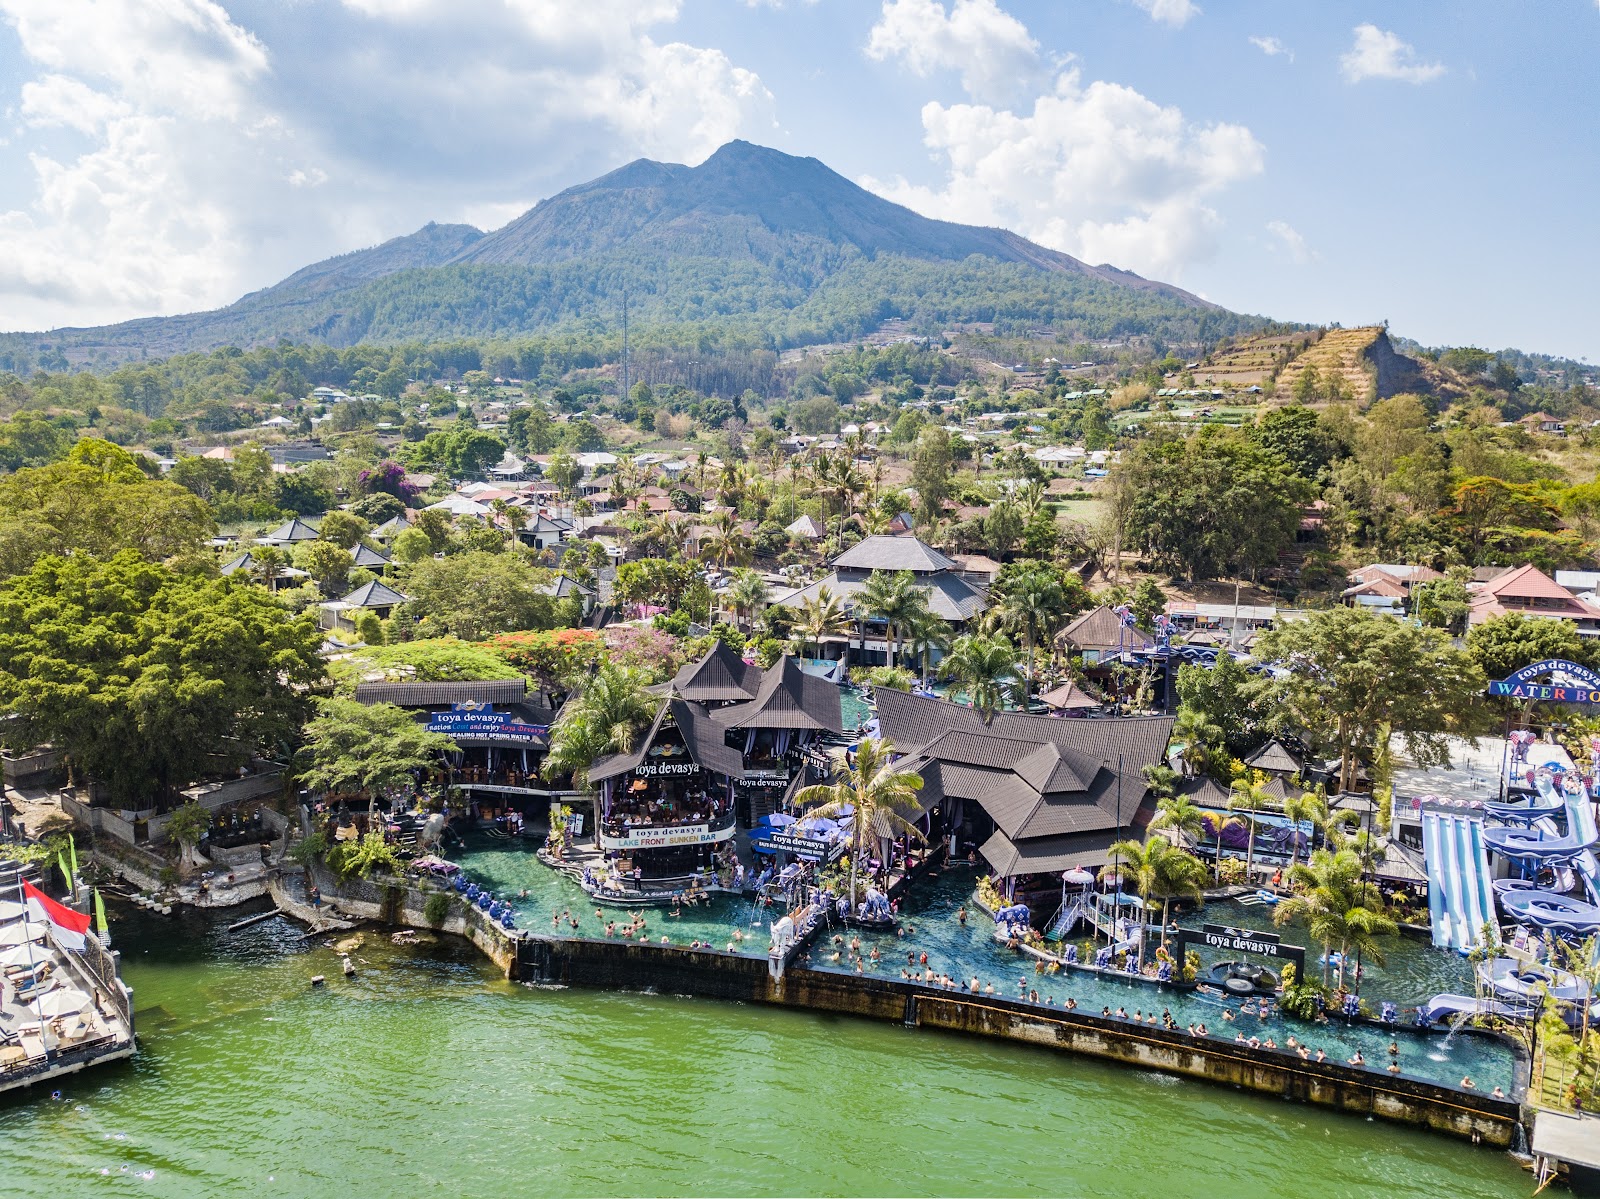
{"x":1358,"y":364}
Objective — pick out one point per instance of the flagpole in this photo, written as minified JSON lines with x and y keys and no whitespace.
{"x":38,"y":1004}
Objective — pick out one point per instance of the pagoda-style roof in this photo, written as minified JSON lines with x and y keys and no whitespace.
{"x":370,"y":558}
{"x":291,"y":532}
{"x":1069,"y":697}
{"x":788,"y":698}
{"x":1274,"y":758}
{"x":880,"y":552}
{"x":721,"y":676}
{"x":376,"y":594}
{"x":1102,"y":630}
{"x":392,"y":527}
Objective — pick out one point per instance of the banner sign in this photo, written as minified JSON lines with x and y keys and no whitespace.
{"x":645,"y":837}
{"x":775,"y":781}
{"x":1240,"y":940}
{"x":1568,"y":683}
{"x":649,"y":769}
{"x":480,"y":722}
{"x":807,"y":849}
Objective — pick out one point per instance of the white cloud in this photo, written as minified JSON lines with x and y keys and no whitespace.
{"x":1176,"y":13}
{"x":1379,"y":54}
{"x":1099,"y":171}
{"x":218,"y":162}
{"x":1272,"y":47}
{"x":1289,"y":241}
{"x":997,"y":57}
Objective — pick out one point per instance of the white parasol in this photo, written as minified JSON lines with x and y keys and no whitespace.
{"x":63,"y":1001}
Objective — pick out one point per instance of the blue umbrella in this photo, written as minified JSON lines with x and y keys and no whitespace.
{"x":820,"y":826}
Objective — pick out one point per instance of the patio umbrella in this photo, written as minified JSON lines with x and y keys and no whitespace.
{"x":11,"y":910}
{"x":777,"y":819}
{"x":1077,"y":877}
{"x":20,"y":933}
{"x":22,"y":955}
{"x":64,"y":1001}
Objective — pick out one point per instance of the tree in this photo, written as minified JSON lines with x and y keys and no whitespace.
{"x":186,"y":826}
{"x":748,"y":595}
{"x":268,"y":562}
{"x":563,"y":470}
{"x":1179,"y":814}
{"x":326,"y":563}
{"x":1344,"y":673}
{"x":1298,"y":438}
{"x":477,"y":594}
{"x":822,"y":615}
{"x":1248,"y":795}
{"x":1505,"y":644}
{"x":142,"y":676}
{"x":1442,"y":603}
{"x":1199,"y":736}
{"x":1148,"y":602}
{"x":880,"y":798}
{"x":1339,"y":906}
{"x":893,"y":597}
{"x":608,"y":717}
{"x":373,"y":750}
{"x":930,"y":473}
{"x":412,"y":546}
{"x":727,"y":543}
{"x":1213,"y":503}
{"x":343,"y":529}
{"x":1220,"y":693}
{"x":986,"y":668}
{"x":1160,"y":870}
{"x":1033,"y":605}
{"x":923,"y":633}
{"x":100,"y":502}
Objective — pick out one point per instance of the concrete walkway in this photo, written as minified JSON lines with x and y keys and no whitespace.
{"x":320,"y":920}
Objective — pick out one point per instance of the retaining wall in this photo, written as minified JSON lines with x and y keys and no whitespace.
{"x":402,"y":902}
{"x":616,"y":965}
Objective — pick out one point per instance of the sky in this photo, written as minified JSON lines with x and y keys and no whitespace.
{"x":1433,"y":164}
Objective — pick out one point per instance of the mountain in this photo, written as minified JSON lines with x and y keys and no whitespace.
{"x":753,"y":244}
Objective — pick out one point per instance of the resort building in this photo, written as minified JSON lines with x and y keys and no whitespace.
{"x":1034,"y":794}
{"x":1528,"y":591}
{"x":377,"y":597}
{"x":501,"y":733}
{"x":728,"y":742}
{"x":1100,"y":635}
{"x":950,"y":594}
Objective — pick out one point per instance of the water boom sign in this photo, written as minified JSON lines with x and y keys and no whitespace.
{"x":1566,"y":683}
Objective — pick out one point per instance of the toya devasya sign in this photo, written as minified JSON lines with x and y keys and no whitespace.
{"x":481,"y":722}
{"x":645,"y":837}
{"x":1563,"y":683}
{"x":1240,"y":940}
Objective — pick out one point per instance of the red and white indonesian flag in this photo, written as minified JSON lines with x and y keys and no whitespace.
{"x":69,"y":927}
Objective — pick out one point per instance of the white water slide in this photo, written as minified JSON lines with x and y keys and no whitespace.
{"x":1460,"y":899}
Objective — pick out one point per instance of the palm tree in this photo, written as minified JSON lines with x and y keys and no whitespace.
{"x":1250,"y":797}
{"x":726,"y":543}
{"x":987,"y":668}
{"x":1179,"y":814}
{"x":1199,"y":737}
{"x":892,"y":597}
{"x":267,"y":563}
{"x":1297,"y":808}
{"x":924,"y":631}
{"x":1339,"y":907}
{"x":884,"y":800}
{"x":1160,"y":870}
{"x":748,"y":595}
{"x":606,"y":719}
{"x":1031,"y":606}
{"x":823,"y":615}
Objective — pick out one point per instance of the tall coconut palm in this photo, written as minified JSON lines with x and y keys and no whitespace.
{"x":267,"y":564}
{"x":1249,"y":797}
{"x":1160,"y":870}
{"x":1297,"y":809}
{"x":1338,"y":905}
{"x":987,"y":668}
{"x":1200,"y":737}
{"x":1032,"y":605}
{"x":1179,"y":814}
{"x":726,"y":543}
{"x":607,"y":718}
{"x":925,"y":631}
{"x":892,"y":596}
{"x":883,"y":800}
{"x":748,"y":595}
{"x":822,"y":615}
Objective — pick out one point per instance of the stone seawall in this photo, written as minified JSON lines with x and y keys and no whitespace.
{"x":404,"y":904}
{"x":616,"y":965}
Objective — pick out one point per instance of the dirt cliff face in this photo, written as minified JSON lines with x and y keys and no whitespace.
{"x":1396,"y":373}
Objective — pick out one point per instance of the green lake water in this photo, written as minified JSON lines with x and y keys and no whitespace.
{"x":428,"y":1075}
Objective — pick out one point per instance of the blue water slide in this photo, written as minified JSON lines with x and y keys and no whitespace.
{"x":1581,"y":823}
{"x":1460,"y":899}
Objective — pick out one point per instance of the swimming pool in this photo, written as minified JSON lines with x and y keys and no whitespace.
{"x":970,"y":951}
